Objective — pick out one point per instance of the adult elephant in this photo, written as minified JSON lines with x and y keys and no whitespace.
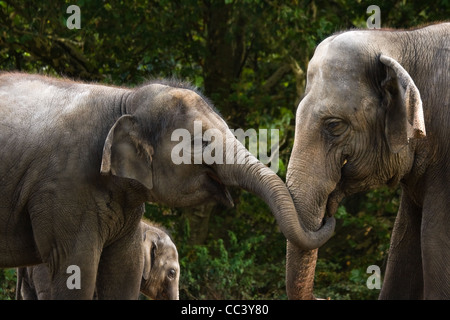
{"x":376,"y":112}
{"x":79,"y":161}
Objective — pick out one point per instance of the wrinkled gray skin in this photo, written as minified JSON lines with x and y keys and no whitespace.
{"x":160,"y":277}
{"x":79,"y":161}
{"x":376,"y":112}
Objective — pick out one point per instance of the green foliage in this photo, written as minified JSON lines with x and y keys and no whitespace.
{"x":228,"y":271}
{"x":361,"y":240}
{"x":7,"y":284}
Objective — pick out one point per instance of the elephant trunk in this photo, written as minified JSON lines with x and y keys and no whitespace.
{"x":255,"y":177}
{"x":300,"y":263}
{"x":311,"y":189}
{"x":300,"y":270}
{"x":173,"y":293}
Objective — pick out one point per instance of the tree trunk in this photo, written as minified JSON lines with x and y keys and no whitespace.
{"x":223,"y":62}
{"x":225,"y":54}
{"x":198,"y":219}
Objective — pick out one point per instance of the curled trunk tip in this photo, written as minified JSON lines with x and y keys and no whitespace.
{"x":260,"y":180}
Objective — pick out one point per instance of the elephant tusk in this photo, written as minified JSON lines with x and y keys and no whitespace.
{"x":343,"y":163}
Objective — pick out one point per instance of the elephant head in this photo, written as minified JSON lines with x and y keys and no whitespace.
{"x":356,"y":128}
{"x":161,"y":268}
{"x":177,"y":148}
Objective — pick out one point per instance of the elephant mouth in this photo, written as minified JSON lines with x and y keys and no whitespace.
{"x":223,"y":196}
{"x":333,"y":201}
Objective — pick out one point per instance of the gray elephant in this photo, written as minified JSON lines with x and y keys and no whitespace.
{"x":160,"y":276}
{"x":79,"y":161}
{"x":376,"y":112}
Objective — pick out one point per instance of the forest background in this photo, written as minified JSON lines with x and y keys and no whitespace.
{"x":250,"y":58}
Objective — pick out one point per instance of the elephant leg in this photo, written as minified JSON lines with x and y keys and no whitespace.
{"x":73,"y":274}
{"x":403,"y":277}
{"x":120,"y":269}
{"x":40,"y":277}
{"x":436,"y":240}
{"x":71,"y":260}
{"x":25,"y":289}
{"x":436,"y":260}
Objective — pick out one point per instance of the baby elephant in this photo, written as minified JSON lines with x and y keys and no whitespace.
{"x":160,"y":276}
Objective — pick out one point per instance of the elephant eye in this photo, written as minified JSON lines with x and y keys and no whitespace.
{"x":335,"y":127}
{"x":171,"y":274}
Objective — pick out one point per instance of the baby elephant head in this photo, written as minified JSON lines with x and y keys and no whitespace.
{"x":161,"y":273}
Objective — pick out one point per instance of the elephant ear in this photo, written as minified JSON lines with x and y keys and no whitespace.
{"x":150,"y":246}
{"x":404,"y":117}
{"x":125,"y":155}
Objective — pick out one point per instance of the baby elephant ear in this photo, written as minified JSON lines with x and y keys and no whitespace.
{"x":125,"y":155}
{"x":404,"y":117}
{"x":149,"y":247}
